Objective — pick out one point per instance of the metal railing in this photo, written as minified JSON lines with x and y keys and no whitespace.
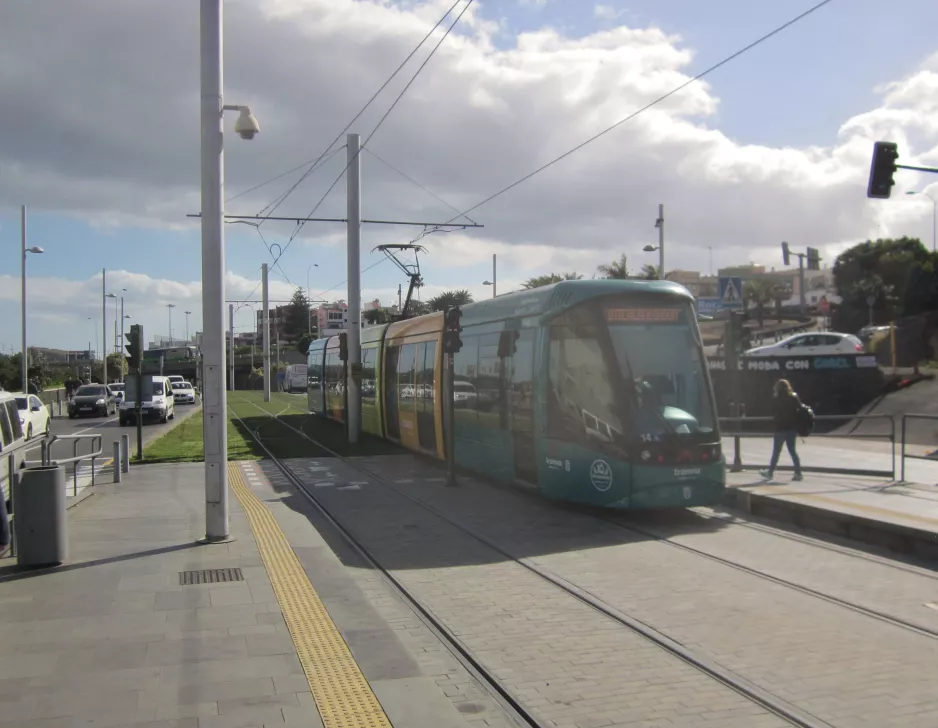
{"x":902,"y":438}
{"x":97,"y":450}
{"x":768,"y":433}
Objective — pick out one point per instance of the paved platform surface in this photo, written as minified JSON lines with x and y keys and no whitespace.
{"x":111,"y":638}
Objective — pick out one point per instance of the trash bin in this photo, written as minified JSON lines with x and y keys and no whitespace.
{"x":39,"y":518}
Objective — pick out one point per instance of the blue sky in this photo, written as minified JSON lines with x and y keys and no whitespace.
{"x":794,"y":91}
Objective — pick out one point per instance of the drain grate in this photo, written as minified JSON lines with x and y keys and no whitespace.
{"x":210,"y":576}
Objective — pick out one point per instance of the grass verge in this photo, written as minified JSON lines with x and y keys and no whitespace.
{"x":272,"y":421}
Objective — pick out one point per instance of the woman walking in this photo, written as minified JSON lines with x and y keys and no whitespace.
{"x":785,"y":407}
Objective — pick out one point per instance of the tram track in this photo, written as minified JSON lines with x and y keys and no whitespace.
{"x":768,"y":701}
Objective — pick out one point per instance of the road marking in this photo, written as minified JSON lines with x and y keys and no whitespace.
{"x":341,"y":692}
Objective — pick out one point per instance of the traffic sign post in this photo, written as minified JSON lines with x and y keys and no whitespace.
{"x":731,"y":292}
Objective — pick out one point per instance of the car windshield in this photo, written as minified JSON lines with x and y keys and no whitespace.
{"x":91,"y":391}
{"x":21,"y":403}
{"x":182,"y":385}
{"x":117,"y":387}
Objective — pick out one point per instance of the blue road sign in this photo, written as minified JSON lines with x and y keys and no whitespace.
{"x":731,"y":292}
{"x":709,"y":306}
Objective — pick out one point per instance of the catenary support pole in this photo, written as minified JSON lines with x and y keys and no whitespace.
{"x":354,"y":227}
{"x":266,"y":331}
{"x":24,"y":352}
{"x":494,"y":277}
{"x":214,"y":402}
{"x":103,"y":326}
{"x":231,"y":361}
{"x":661,"y":242}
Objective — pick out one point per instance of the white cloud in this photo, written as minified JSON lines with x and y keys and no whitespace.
{"x":606,"y":12}
{"x":101,"y":122}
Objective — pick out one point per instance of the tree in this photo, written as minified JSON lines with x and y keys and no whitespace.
{"x":617,"y":269}
{"x":302,"y":345}
{"x":297,"y":316}
{"x":116,"y":367}
{"x":549,"y":279}
{"x":377,"y":316}
{"x":649,"y":272}
{"x":759,"y":291}
{"x":781,"y":292}
{"x":449,"y":299}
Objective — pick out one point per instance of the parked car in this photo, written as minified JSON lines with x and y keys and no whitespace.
{"x":183,"y":393}
{"x":157,"y":402}
{"x":92,"y":399}
{"x":34,"y":415}
{"x":812,"y":343}
{"x":12,"y":438}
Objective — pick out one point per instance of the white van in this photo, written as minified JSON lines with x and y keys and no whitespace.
{"x":294,"y":378}
{"x":157,"y":401}
{"x":12,"y":441}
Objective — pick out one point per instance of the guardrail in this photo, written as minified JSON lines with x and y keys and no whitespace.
{"x":906,"y":418}
{"x":768,"y":433}
{"x":97,"y":450}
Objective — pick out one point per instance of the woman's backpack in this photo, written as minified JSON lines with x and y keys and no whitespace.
{"x":804,"y":420}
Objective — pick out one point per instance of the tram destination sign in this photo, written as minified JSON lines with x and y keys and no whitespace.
{"x":797,"y":363}
{"x":642,"y":315}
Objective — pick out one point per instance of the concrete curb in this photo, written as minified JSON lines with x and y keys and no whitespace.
{"x":908,"y":540}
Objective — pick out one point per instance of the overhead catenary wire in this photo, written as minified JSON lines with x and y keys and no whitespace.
{"x":381,"y":121}
{"x":647,"y":106}
{"x":273,"y":206}
{"x":318,"y":162}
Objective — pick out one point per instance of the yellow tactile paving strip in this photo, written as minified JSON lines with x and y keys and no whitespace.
{"x":343,"y":696}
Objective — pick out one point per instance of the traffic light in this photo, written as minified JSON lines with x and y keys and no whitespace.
{"x":882,"y":169}
{"x":343,"y":346}
{"x":452,"y":342}
{"x":134,"y":347}
{"x":737,"y":335}
{"x":507,"y":343}
{"x":814,"y":259}
{"x":786,"y":253}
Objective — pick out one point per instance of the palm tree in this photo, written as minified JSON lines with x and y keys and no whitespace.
{"x":759,"y":291}
{"x":617,"y":269}
{"x":649,"y":272}
{"x":781,"y":292}
{"x":450,"y":299}
{"x":547,"y":280}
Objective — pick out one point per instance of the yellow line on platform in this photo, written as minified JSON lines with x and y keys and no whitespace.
{"x":342,"y":694}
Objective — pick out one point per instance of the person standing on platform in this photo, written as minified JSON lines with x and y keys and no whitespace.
{"x":785,"y":408}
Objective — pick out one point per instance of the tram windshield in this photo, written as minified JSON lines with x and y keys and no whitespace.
{"x":628,"y":369}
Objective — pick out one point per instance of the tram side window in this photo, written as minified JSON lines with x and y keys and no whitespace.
{"x":488,"y":382}
{"x":405,"y":377}
{"x":465,"y":366}
{"x":426,"y":361}
{"x":368,"y":382}
{"x":521,"y":386}
{"x":582,"y":401}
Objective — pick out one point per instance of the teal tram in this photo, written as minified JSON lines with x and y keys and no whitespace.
{"x":595,"y":392}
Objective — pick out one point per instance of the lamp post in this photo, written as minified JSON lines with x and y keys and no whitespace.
{"x":494,"y":281}
{"x":659,"y":223}
{"x":188,"y":313}
{"x":169,"y":308}
{"x":24,"y":364}
{"x":104,"y":328}
{"x":934,"y":218}
{"x":215,"y":405}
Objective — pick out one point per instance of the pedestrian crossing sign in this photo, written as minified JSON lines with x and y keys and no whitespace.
{"x":731,"y":292}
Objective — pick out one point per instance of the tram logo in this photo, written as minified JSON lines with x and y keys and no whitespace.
{"x":601,"y":475}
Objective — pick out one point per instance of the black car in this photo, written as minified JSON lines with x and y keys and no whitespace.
{"x":92,"y":399}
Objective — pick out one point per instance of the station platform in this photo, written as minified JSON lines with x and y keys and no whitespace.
{"x":145,"y":626}
{"x":884,"y":511}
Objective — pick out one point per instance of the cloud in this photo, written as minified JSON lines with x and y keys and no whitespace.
{"x":101,"y":121}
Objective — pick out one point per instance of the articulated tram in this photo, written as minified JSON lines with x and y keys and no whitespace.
{"x":593,"y":391}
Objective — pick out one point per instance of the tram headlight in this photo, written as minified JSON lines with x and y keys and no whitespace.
{"x":646,"y":455}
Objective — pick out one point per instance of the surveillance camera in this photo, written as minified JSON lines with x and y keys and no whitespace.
{"x":246,"y":126}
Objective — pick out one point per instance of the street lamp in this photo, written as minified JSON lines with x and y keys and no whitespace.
{"x":214,"y":403}
{"x":934,"y":217}
{"x":659,"y":223}
{"x":104,"y":347}
{"x":24,"y":364}
{"x":188,"y":313}
{"x":494,"y":281}
{"x":170,"y":307}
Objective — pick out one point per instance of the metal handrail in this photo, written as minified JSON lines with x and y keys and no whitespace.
{"x":891,"y":437}
{"x":47,"y":459}
{"x":905,"y":418}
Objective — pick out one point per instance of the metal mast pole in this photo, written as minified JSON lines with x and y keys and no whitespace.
{"x":661,"y":242}
{"x":24,"y":364}
{"x":266,"y":332}
{"x":103,"y":326}
{"x":123,"y":357}
{"x":231,"y":361}
{"x":214,"y":403}
{"x":354,"y":227}
{"x":494,"y":277}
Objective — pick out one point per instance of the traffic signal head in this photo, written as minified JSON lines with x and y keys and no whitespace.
{"x":507,"y":343}
{"x":786,"y":254}
{"x":814,"y":259}
{"x":343,"y":346}
{"x":452,"y":341}
{"x":882,"y":169}
{"x":134,"y":347}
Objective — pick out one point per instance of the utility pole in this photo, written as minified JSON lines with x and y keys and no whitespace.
{"x":214,"y":402}
{"x":231,"y":359}
{"x":187,"y":326}
{"x":494,"y":277}
{"x":266,"y":331}
{"x":103,"y":326}
{"x":123,"y":357}
{"x":24,"y":364}
{"x":660,"y":225}
{"x":354,"y":227}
